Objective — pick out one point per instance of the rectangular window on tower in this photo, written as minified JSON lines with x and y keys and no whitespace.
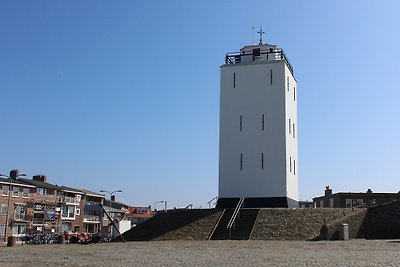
{"x":241,"y":123}
{"x":271,"y":76}
{"x":262,"y":161}
{"x":241,"y":161}
{"x":262,"y":122}
{"x":294,"y":131}
{"x":234,"y":80}
{"x":290,"y":126}
{"x":294,"y":167}
{"x":294,"y":93}
{"x":288,"y":83}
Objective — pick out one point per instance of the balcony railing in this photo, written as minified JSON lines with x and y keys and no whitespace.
{"x":38,"y":221}
{"x":91,"y":203}
{"x":22,"y":217}
{"x":68,"y":215}
{"x":66,"y":199}
{"x":37,"y":198}
{"x":268,"y":55}
{"x":91,"y":218}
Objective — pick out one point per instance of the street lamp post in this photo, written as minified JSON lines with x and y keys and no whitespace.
{"x":9,"y":198}
{"x":155,"y":203}
{"x":112,"y":193}
{"x":161,"y":201}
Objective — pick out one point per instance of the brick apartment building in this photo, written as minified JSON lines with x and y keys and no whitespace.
{"x":14,"y":194}
{"x":30,"y":205}
{"x":348,"y":200}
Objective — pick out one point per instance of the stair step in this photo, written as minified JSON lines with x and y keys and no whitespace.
{"x":243,"y":225}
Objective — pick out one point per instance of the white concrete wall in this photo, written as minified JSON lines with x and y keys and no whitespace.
{"x":252,"y":97}
{"x":291,"y":137}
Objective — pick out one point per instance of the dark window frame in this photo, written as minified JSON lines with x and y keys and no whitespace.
{"x":271,"y":76}
{"x":262,"y":161}
{"x":263,"y":122}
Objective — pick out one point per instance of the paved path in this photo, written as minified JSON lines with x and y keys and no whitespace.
{"x":208,"y":253}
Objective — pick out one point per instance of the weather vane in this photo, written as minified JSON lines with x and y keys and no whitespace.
{"x":261,"y":34}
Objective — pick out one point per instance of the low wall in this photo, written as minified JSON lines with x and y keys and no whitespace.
{"x":382,"y":222}
{"x":355,"y":221}
{"x":377,"y":222}
{"x":294,"y":224}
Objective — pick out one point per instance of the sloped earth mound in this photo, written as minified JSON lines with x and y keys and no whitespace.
{"x":194,"y":224}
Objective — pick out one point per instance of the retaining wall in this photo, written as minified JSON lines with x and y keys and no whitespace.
{"x":355,"y":221}
{"x":382,"y":222}
{"x":294,"y":224}
{"x":276,"y":224}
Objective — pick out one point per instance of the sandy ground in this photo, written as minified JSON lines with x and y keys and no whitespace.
{"x":208,"y":253}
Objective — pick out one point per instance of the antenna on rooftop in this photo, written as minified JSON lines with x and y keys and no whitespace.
{"x":252,"y":36}
{"x":261,"y":34}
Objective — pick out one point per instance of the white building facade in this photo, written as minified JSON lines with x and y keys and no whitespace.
{"x":258,"y":156}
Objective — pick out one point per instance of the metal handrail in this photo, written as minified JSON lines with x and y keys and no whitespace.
{"x":190,"y":205}
{"x":216,"y":224}
{"x":234,"y":215}
{"x":235,"y":57}
{"x":209,"y":202}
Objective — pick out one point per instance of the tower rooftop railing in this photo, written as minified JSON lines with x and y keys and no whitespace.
{"x":257,"y":55}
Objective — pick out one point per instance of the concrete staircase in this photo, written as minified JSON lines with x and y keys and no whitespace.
{"x":242,"y":228}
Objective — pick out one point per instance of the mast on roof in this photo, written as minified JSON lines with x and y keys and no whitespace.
{"x":261,"y":34}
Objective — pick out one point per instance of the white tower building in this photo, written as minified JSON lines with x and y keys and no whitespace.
{"x":258,"y":129}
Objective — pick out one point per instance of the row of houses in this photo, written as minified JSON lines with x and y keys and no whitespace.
{"x":352,"y":199}
{"x":31,"y":205}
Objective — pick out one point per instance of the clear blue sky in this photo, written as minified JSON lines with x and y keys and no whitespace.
{"x":125,"y":94}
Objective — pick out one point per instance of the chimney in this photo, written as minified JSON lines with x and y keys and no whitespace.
{"x":328,"y":191}
{"x":14,"y":174}
{"x":112,"y":197}
{"x":39,"y":177}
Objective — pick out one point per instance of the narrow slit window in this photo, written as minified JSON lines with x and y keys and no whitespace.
{"x":241,"y":123}
{"x":290,"y":164}
{"x":290,"y":126}
{"x":294,"y":131}
{"x":294,"y":167}
{"x":262,"y":122}
{"x":241,"y":161}
{"x":288,"y":83}
{"x":262,"y":161}
{"x":271,"y":76}
{"x":234,"y":80}
{"x":294,"y":93}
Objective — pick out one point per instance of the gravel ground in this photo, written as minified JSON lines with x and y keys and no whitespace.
{"x":208,"y":253}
